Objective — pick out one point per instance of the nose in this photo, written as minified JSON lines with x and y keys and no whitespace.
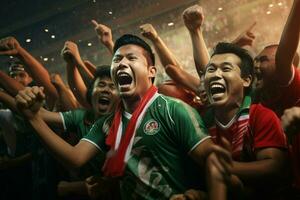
{"x":218,"y":73}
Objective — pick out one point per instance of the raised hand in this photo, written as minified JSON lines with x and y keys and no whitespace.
{"x":245,"y":38}
{"x":193,"y":17}
{"x":71,"y":53}
{"x":30,"y":100}
{"x":9,"y":46}
{"x":56,"y":80}
{"x":148,"y":31}
{"x":103,"y":32}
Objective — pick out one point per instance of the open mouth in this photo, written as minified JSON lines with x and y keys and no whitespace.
{"x":217,"y":88}
{"x":103,"y":101}
{"x":124,"y":78}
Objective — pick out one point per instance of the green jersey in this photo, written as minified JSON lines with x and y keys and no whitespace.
{"x":80,"y":122}
{"x":157,"y":165}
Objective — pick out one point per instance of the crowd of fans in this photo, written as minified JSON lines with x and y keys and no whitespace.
{"x":197,"y":102}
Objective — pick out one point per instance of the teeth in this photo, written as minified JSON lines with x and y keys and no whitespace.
{"x":216,"y":86}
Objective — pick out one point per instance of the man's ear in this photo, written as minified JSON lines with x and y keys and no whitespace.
{"x":152,"y":71}
{"x":247,"y":81}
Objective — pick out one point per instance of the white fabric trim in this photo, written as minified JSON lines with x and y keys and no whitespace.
{"x":225,"y":126}
{"x":168,"y":109}
{"x":63,"y":121}
{"x":127,"y":115}
{"x":93,"y":143}
{"x":119,"y":135}
{"x":203,"y":139}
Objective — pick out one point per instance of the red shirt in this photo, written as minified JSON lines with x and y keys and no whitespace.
{"x":255,"y":127}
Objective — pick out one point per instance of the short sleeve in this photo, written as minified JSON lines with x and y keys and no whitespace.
{"x":266,"y":127}
{"x":71,"y":119}
{"x":189,"y":127}
{"x":96,"y":136}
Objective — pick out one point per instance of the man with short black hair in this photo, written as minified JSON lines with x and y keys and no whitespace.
{"x":258,"y":143}
{"x":148,"y":137}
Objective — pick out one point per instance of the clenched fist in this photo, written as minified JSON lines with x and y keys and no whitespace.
{"x":71,"y":53}
{"x":9,"y":46}
{"x":148,"y":31}
{"x":30,"y":100}
{"x":193,"y":17}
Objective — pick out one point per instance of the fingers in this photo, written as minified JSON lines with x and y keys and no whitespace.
{"x":28,"y":96}
{"x":226,"y":144}
{"x":194,"y":194}
{"x":90,"y":180}
{"x":178,"y":197}
{"x":94,"y":22}
{"x":222,"y":152}
{"x":219,"y":167}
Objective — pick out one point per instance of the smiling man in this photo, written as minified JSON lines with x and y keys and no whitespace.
{"x":148,"y":138}
{"x":257,"y":140}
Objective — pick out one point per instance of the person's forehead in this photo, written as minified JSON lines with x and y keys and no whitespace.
{"x":225,"y":58}
{"x":103,"y":79}
{"x":268,"y":51}
{"x":129,"y":49}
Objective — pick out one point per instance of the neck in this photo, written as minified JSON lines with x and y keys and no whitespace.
{"x":130,"y":104}
{"x":225,"y":113}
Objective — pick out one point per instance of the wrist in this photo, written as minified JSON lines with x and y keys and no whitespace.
{"x":195,"y":32}
{"x":20,"y":51}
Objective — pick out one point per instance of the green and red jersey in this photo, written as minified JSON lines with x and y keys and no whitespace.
{"x":158,"y":165}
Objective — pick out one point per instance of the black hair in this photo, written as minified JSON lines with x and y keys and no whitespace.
{"x":102,"y":71}
{"x":132,"y":39}
{"x":247,"y":64}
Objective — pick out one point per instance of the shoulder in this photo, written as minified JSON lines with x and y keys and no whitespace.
{"x":262,"y":116}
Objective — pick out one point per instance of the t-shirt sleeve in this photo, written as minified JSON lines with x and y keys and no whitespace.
{"x":267,"y":129}
{"x":70,"y":120}
{"x":189,"y":127}
{"x":96,"y":136}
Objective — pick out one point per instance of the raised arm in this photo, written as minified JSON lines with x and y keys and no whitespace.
{"x":29,"y":102}
{"x":71,"y":49}
{"x":165,"y":55}
{"x":66,"y":101}
{"x":193,"y":18}
{"x":246,"y":38}
{"x":9,"y":84}
{"x":90,"y":66}
{"x":104,"y":35}
{"x":10,"y":46}
{"x":183,"y":78}
{"x":288,"y":45}
{"x":75,"y":81}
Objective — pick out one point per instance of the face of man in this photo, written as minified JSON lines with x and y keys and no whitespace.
{"x":223,"y":82}
{"x":22,"y":77}
{"x":104,"y":96}
{"x":264,"y":67}
{"x":131,"y":72}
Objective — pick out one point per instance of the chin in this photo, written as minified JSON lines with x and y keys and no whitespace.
{"x":218,"y":103}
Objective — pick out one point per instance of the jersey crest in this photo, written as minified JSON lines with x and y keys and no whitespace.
{"x":151,"y":127}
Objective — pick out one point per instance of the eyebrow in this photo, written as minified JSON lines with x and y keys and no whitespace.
{"x":227,"y":63}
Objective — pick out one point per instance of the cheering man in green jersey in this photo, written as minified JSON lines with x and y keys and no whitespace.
{"x":148,"y":138}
